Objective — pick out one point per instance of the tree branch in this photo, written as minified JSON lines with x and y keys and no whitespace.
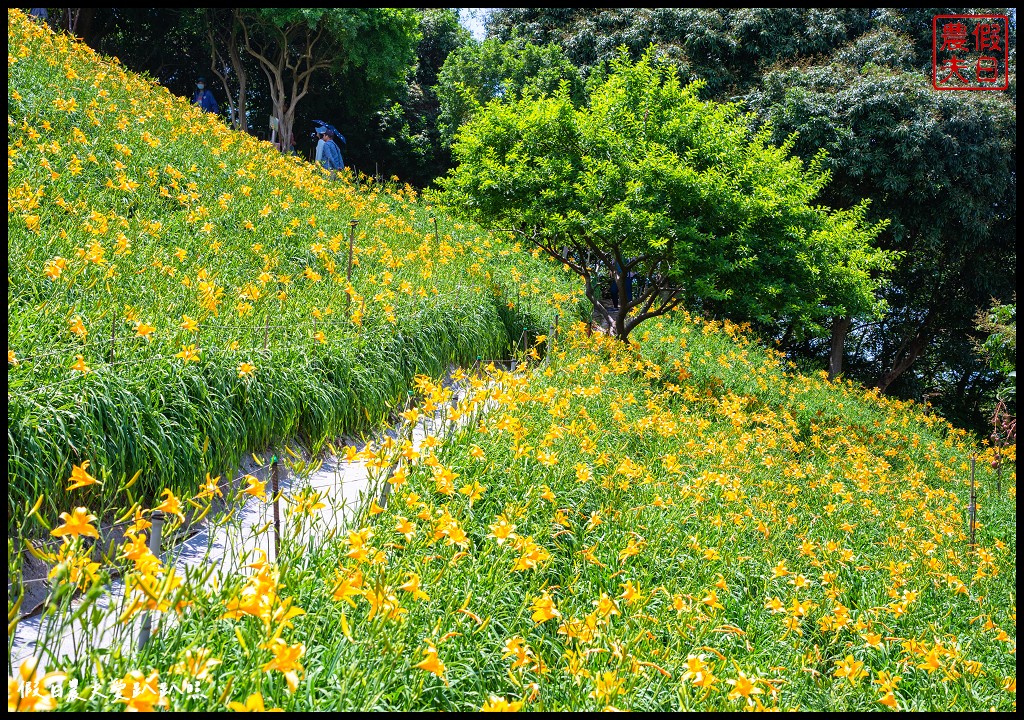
{"x":665,"y":307}
{"x":580,"y":269}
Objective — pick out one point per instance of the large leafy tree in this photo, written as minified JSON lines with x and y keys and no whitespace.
{"x":727,"y":48}
{"x":942,"y":167}
{"x":477,"y":73}
{"x":403,"y":136}
{"x":294,"y":46}
{"x":378,"y":88}
{"x":856,"y":82}
{"x":647,"y":180}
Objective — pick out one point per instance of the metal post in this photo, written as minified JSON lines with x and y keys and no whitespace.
{"x":973,"y":507}
{"x":113,"y":334}
{"x":351,"y":242}
{"x":266,"y":332}
{"x":154,"y":547}
{"x":274,"y":484}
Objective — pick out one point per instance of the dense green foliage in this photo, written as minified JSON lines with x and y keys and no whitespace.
{"x":727,"y":48}
{"x":857,"y":83}
{"x":941,"y":166}
{"x":999,"y":326}
{"x":365,"y":59}
{"x":295,"y":47}
{"x":407,"y":138}
{"x":646,"y":179}
{"x":683,"y":522}
{"x":478,"y":73}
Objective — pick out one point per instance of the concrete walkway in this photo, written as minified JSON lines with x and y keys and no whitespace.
{"x":223,"y":545}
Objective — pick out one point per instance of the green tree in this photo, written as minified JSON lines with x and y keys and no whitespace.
{"x":292,"y":45}
{"x":941,"y":167}
{"x":999,"y":348}
{"x":647,"y":180}
{"x":405,"y":137}
{"x":727,"y":48}
{"x":477,"y":73}
{"x":857,"y":83}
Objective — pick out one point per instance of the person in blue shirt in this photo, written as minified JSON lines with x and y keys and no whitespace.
{"x":327,"y":152}
{"x":614,"y":288}
{"x":204,"y":97}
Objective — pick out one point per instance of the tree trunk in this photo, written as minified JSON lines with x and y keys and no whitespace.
{"x":283,"y":71}
{"x":287,"y":123}
{"x":226,"y":61}
{"x":242,"y":123}
{"x":907,"y":354}
{"x":840,"y":328}
{"x":78,"y":21}
{"x":620,"y":317}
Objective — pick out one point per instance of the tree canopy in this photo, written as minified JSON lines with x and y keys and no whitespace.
{"x":727,"y":48}
{"x":292,"y":44}
{"x":647,"y":179}
{"x":941,"y":167}
{"x":477,"y":73}
{"x":856,"y":82}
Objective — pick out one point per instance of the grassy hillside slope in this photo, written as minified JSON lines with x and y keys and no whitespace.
{"x":682,"y":523}
{"x":178,"y":292}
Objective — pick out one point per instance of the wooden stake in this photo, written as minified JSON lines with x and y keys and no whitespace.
{"x":552,"y":336}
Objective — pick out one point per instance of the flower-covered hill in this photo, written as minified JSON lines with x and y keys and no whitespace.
{"x":680,"y":524}
{"x":179,"y":293}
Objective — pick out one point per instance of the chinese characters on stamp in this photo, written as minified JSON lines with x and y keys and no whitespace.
{"x":970,"y":52}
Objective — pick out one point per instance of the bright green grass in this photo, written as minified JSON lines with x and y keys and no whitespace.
{"x":724,"y":471}
{"x":127,"y":207}
{"x":728,"y":474}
